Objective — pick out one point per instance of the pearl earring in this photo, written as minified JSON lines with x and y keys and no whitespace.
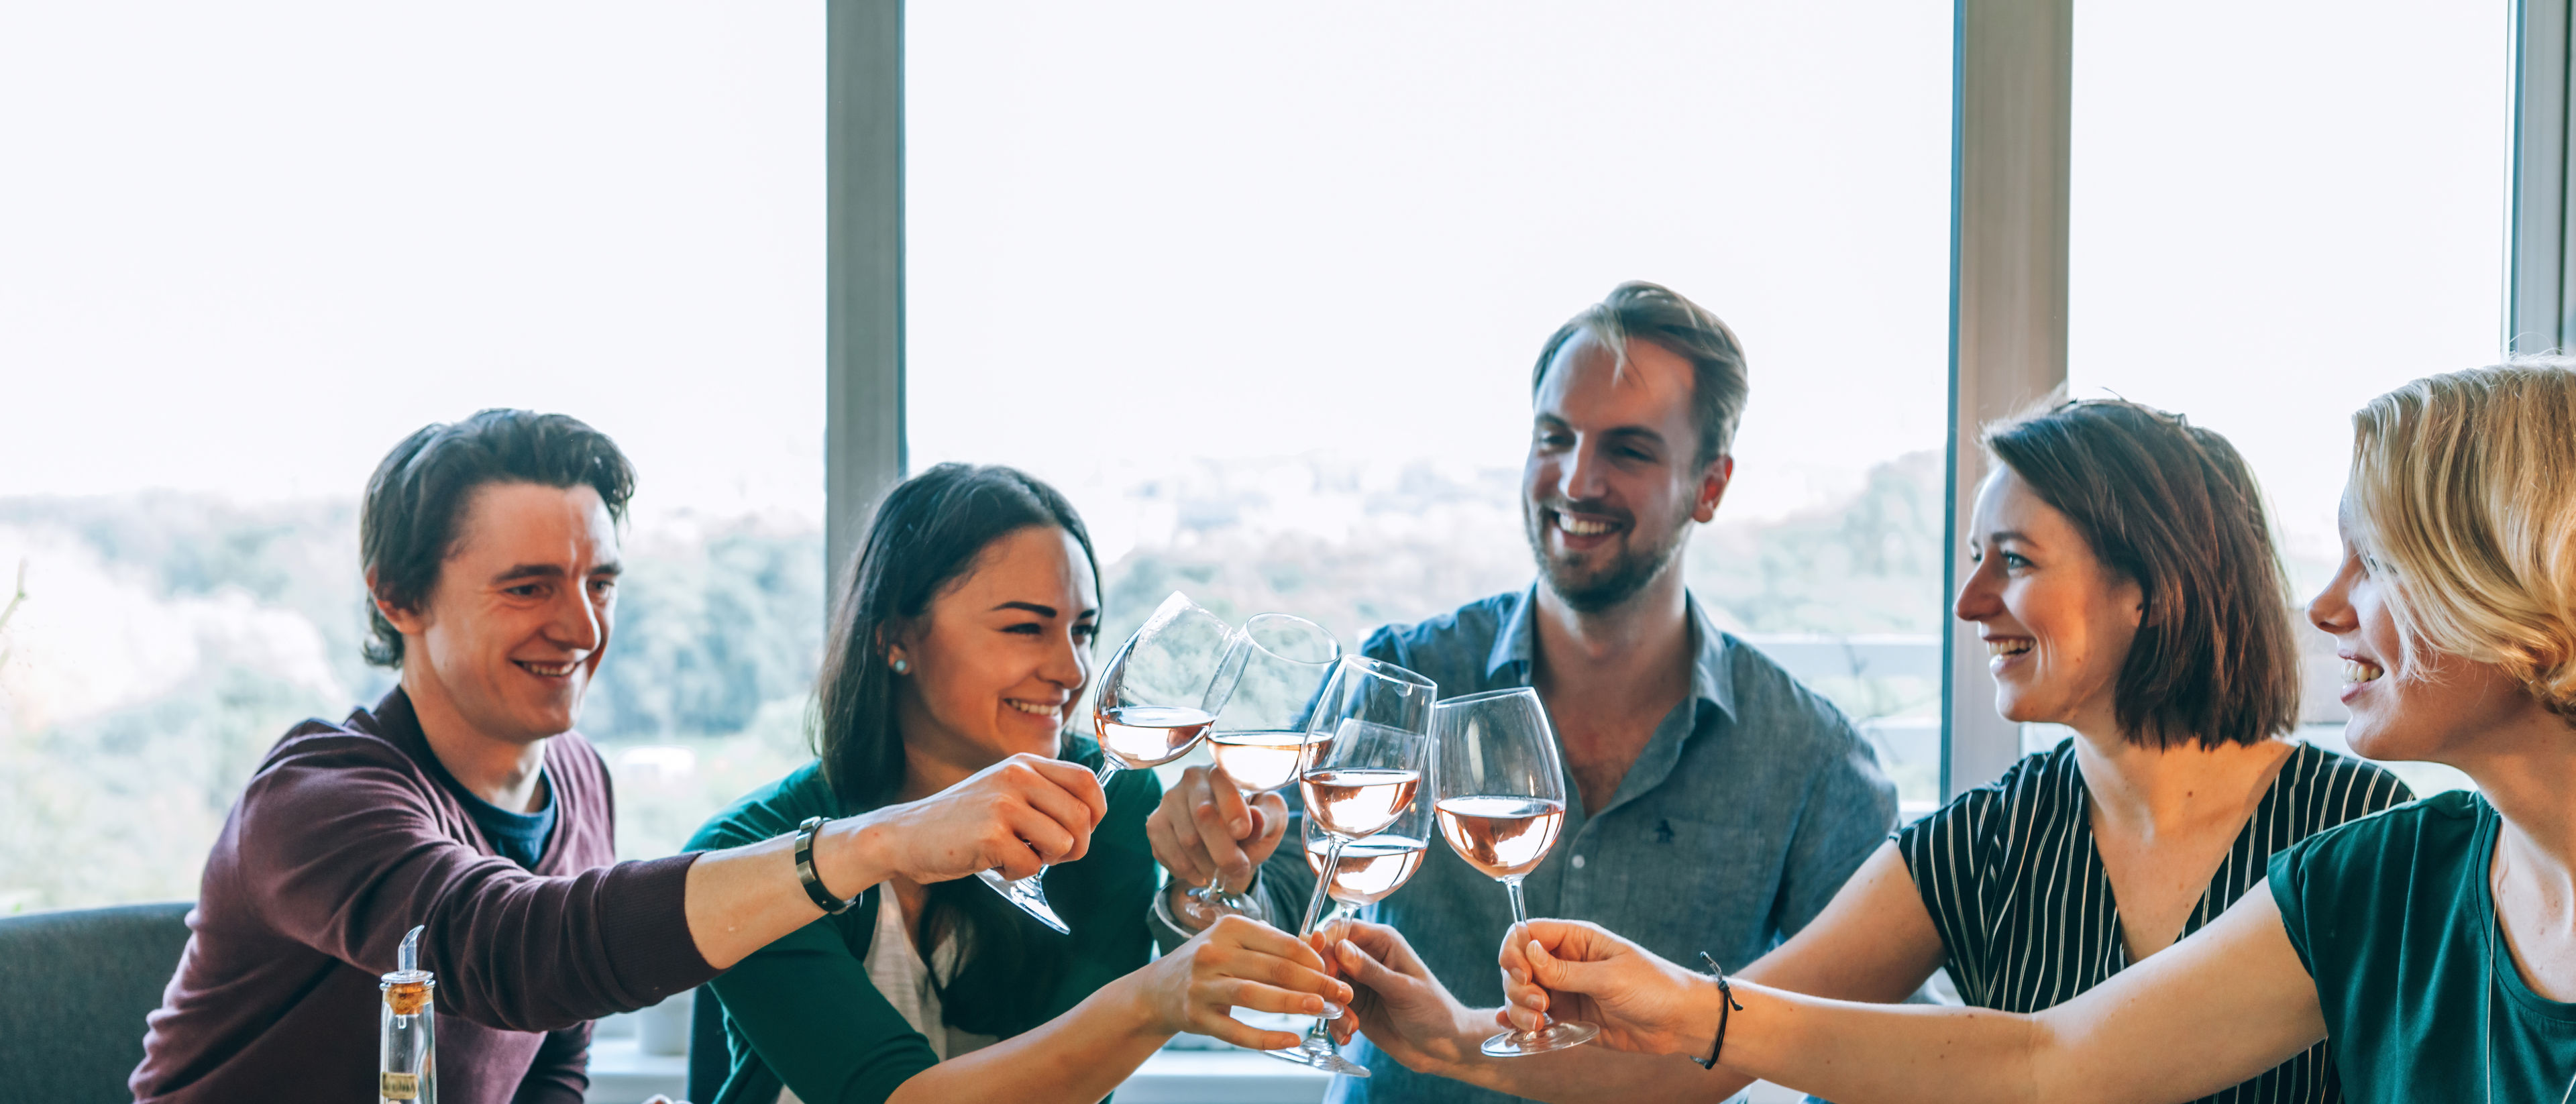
{"x":902,"y":667}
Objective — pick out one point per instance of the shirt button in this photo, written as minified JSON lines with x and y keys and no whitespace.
{"x":1578,"y":862}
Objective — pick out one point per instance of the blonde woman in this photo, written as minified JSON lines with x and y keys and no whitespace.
{"x":2435,"y":944}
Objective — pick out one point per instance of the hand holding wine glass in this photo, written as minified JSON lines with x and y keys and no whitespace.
{"x":1236,"y":963}
{"x":1501,"y":803}
{"x":1014,"y":815}
{"x":1359,"y":772}
{"x":1357,"y":874}
{"x":1643,"y":1002}
{"x":1400,"y":1004}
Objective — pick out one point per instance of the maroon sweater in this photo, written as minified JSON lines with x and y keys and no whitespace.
{"x":342,"y":841}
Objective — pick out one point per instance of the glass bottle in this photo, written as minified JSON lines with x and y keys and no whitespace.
{"x":406,"y":1070}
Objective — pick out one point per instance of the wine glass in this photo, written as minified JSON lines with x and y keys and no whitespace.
{"x":1362,"y":764}
{"x":1368,"y":870}
{"x":1371,"y":868}
{"x":1500,"y":802}
{"x":1159,"y":693}
{"x":1258,"y":736}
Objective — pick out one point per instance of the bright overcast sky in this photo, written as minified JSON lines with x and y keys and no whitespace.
{"x":246,"y":247}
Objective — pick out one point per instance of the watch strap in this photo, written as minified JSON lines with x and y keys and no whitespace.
{"x":813,"y":882}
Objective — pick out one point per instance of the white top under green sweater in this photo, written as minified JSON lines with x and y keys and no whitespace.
{"x":895,"y":965}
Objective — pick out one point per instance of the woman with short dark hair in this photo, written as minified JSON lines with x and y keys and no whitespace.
{"x":962,"y":643}
{"x":2127,"y":587}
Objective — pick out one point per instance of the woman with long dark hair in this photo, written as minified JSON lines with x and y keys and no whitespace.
{"x":961,"y":644}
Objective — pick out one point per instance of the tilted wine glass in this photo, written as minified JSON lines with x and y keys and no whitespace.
{"x":1262,"y":729}
{"x":1360,"y":769}
{"x":1157,"y":696}
{"x":1500,"y":801}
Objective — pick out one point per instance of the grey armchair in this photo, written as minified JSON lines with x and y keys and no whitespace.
{"x":74,"y":988}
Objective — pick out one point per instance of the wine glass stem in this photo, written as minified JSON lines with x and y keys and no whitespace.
{"x":1109,"y":765}
{"x":1324,"y":887}
{"x":1520,"y":917}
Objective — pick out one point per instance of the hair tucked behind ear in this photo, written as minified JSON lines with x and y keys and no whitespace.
{"x":930,"y":532}
{"x":2464,"y":489}
{"x":2173,"y":508}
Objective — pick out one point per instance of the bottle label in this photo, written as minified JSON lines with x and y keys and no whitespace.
{"x":399,"y":1086}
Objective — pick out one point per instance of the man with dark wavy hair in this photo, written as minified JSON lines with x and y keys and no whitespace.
{"x":1719,"y":804}
{"x":465,"y":804}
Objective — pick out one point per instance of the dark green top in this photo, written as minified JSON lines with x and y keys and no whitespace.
{"x":2392,"y":916}
{"x":802,"y":1012}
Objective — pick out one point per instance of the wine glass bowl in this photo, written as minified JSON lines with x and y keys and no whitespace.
{"x":1286,"y":661}
{"x":1162,"y":689}
{"x":1141,"y":736}
{"x":1373,"y":866}
{"x":1259,"y":737}
{"x":1503,"y":837}
{"x":1500,"y":802}
{"x":1355,"y":801}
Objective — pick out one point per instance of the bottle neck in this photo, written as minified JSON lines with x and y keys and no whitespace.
{"x":407,"y":997}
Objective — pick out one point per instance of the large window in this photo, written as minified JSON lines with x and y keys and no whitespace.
{"x":245,"y":248}
{"x":2276,"y":223}
{"x":1260,"y":287}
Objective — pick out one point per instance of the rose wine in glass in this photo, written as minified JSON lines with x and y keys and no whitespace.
{"x":1140,"y":736}
{"x":1372,"y":866}
{"x":1369,"y":869}
{"x":1258,"y":739}
{"x":1500,"y":801}
{"x":1505,"y":837}
{"x":1258,"y":762}
{"x":1159,"y":693}
{"x":1356,"y":784}
{"x":1351,"y":802}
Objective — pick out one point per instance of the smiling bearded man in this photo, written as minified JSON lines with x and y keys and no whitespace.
{"x":1721,"y":803}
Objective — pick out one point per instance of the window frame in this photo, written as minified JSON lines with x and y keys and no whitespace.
{"x":2012,"y":96}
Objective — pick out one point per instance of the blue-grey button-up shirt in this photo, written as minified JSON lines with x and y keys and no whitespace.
{"x":1746,"y":811}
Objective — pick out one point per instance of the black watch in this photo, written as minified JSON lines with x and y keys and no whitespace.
{"x":822,"y":897}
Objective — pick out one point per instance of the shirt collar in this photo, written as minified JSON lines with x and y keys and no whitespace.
{"x":1712,"y":678}
{"x":1516,"y":643}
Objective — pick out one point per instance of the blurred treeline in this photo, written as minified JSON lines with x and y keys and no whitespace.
{"x":169,"y":639}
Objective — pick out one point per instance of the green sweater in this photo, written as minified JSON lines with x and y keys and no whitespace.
{"x":802,"y":1012}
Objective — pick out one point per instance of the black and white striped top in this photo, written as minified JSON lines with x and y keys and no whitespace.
{"x":2015,"y":885}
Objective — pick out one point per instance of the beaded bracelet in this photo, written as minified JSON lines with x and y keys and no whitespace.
{"x":1726,"y":1006}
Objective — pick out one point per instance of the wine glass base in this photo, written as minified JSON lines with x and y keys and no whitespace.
{"x":1029,"y":895}
{"x":1555,"y":1036}
{"x":1320,"y":1057}
{"x":1226,"y":902}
